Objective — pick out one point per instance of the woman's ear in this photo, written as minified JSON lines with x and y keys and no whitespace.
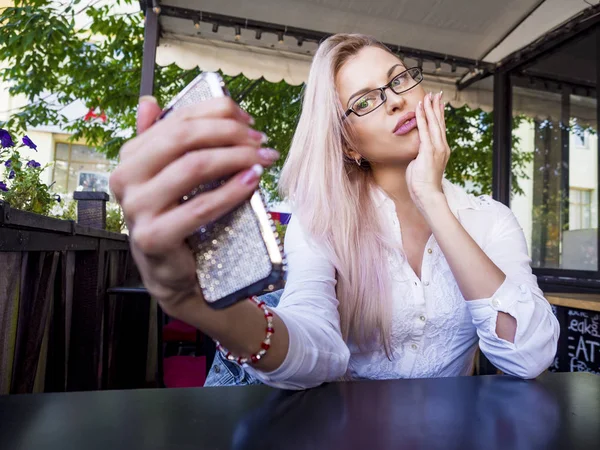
{"x":347,"y":140}
{"x":353,"y":155}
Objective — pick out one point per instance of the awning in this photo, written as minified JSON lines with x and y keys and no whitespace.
{"x":275,"y":66}
{"x":233,"y":59}
{"x":226,"y":35}
{"x":483,"y":30}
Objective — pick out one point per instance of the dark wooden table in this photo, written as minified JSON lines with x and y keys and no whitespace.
{"x":557,"y":411}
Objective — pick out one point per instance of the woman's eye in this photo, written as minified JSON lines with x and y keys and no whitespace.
{"x":399,"y":81}
{"x":363,"y":103}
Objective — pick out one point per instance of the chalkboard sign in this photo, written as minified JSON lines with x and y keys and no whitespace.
{"x":579,"y":343}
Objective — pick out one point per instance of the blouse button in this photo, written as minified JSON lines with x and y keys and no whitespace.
{"x":426,"y":283}
{"x":430,"y":251}
{"x":523,"y":289}
{"x":422,"y":318}
{"x":414,"y":347}
{"x":496,"y":303}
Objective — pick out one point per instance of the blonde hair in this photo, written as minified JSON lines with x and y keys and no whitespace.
{"x":331,"y":196}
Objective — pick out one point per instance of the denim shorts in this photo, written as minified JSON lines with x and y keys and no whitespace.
{"x":230,"y":373}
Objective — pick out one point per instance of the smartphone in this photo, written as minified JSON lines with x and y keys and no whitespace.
{"x":240,"y":254}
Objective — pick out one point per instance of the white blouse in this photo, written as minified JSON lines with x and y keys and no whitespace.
{"x":435,"y":332}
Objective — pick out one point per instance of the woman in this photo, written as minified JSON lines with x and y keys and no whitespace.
{"x":393,"y":271}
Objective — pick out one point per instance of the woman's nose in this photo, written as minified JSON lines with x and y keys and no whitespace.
{"x":394,"y":101}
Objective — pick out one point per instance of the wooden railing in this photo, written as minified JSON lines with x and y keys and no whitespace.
{"x":59,"y":330}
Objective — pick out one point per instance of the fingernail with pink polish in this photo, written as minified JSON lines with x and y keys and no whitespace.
{"x":254,"y":135}
{"x":258,"y":136}
{"x":247,"y":117}
{"x":268,"y":154}
{"x":252,"y":175}
{"x":148,"y":98}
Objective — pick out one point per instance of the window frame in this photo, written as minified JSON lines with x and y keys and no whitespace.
{"x":70,"y":160}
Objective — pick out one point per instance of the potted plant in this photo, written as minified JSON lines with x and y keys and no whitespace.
{"x":21,"y":185}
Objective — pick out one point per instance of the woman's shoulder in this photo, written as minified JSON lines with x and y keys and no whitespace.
{"x":481,"y":215}
{"x":299,"y":239}
{"x":459,"y":199}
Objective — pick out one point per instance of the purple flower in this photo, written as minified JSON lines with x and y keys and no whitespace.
{"x":5,"y":139}
{"x":29,"y":143}
{"x":33,"y":164}
{"x":3,"y":187}
{"x":11,"y":175}
{"x":7,"y":163}
{"x":57,"y":198}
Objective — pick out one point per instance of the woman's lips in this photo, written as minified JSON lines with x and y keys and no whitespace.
{"x":406,"y":127}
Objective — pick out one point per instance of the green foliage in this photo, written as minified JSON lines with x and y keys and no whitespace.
{"x":100,"y":65}
{"x":46,"y":53}
{"x":281,"y":229}
{"x":470,"y":136}
{"x":115,"y":221}
{"x":22,"y":185}
{"x":67,"y":212}
{"x":276,"y":108}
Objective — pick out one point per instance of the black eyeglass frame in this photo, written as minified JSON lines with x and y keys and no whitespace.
{"x":382,"y":91}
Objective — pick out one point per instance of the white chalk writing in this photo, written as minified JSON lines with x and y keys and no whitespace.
{"x":580,"y":366}
{"x":585,"y":326}
{"x":583,"y":341}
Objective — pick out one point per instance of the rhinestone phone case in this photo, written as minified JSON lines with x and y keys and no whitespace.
{"x":240,"y":254}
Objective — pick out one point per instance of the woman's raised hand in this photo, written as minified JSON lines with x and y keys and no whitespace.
{"x":168,"y":159}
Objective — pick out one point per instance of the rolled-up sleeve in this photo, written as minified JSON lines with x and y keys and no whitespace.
{"x":317,"y":352}
{"x":536,"y":338}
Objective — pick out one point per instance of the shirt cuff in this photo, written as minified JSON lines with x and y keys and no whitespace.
{"x":504,"y":300}
{"x":485,"y":311}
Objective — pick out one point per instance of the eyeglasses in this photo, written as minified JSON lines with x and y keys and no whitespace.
{"x":372,"y":100}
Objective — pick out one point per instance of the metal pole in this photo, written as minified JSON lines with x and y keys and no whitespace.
{"x":149,"y":57}
{"x":501,"y":163}
{"x":597,"y":147}
{"x":565,"y":134}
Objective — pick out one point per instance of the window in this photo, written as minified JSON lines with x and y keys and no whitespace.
{"x":580,"y":209}
{"x":78,"y":167}
{"x":558,"y":205}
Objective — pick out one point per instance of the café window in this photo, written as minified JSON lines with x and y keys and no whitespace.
{"x":558,"y":203}
{"x":80,"y":168}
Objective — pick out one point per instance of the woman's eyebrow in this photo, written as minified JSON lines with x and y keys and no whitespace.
{"x":365,"y":90}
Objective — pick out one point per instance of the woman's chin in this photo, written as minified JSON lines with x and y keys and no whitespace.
{"x":399,"y":152}
{"x":409,"y":149}
{"x":401,"y":159}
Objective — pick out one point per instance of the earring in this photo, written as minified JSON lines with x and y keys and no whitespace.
{"x":358,"y":162}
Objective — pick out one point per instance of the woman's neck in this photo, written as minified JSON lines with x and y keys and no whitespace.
{"x":392,"y":179}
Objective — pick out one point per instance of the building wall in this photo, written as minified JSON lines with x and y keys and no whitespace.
{"x":583,"y":163}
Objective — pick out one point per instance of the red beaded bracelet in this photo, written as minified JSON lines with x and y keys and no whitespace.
{"x":264,"y":346}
